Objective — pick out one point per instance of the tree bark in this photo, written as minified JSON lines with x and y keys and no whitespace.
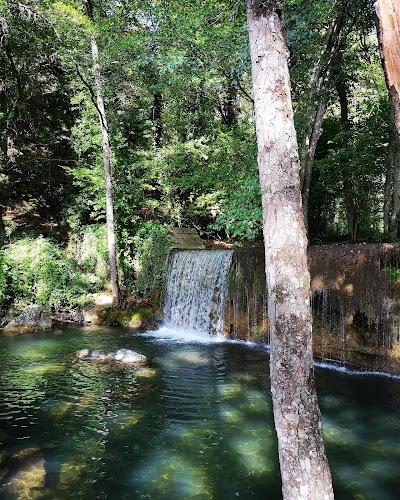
{"x":112,"y":254}
{"x":304,"y":467}
{"x":388,"y":27}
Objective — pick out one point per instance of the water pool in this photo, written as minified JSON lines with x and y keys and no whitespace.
{"x":195,"y":423}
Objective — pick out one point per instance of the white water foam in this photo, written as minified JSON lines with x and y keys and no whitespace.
{"x":184,"y":336}
{"x":332,"y":365}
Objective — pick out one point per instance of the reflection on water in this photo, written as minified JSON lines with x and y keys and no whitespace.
{"x":195,"y":423}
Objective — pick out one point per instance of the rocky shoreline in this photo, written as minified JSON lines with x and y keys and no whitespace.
{"x":38,"y":318}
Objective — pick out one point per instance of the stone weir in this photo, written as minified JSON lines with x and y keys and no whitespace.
{"x":355,"y":300}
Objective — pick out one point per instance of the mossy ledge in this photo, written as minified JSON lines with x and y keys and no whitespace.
{"x":135,"y":316}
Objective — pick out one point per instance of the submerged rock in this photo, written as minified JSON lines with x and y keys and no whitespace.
{"x":25,"y":475}
{"x":34,"y":318}
{"x":122,"y":356}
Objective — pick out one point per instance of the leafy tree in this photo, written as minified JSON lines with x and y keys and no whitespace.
{"x":35,"y":114}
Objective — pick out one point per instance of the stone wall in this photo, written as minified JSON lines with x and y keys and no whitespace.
{"x":185,"y":238}
{"x":355,"y":299}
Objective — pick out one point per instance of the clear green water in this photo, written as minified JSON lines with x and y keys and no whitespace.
{"x":195,"y":424}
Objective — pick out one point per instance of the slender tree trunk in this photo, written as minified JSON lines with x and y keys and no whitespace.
{"x":309,"y":159}
{"x":317,"y":103}
{"x":388,"y":189}
{"x":157,"y":119}
{"x":388,"y":25}
{"x":394,"y":216}
{"x":351,"y":205}
{"x":112,"y":254}
{"x":304,"y":467}
{"x":2,"y":229}
{"x":3,"y":128}
{"x":228,"y":106}
{"x":321,"y":71}
{"x":350,"y":198}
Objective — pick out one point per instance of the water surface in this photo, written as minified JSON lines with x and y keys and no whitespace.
{"x":196,"y":423}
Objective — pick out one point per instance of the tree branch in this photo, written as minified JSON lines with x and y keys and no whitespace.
{"x":92,"y":95}
{"x":224,"y":73}
{"x":18,"y":80}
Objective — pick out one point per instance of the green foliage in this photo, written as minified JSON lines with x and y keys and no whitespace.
{"x":151,"y":250}
{"x":35,"y":114}
{"x":241,"y":215}
{"x":88,"y":248}
{"x":358,"y":157}
{"x":3,"y":282}
{"x":202,"y":179}
{"x":393,"y":273}
{"x":39,"y":272}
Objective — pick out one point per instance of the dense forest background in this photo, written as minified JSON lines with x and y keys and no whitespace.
{"x":177,"y":91}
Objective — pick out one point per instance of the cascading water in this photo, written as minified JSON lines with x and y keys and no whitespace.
{"x":197,"y":290}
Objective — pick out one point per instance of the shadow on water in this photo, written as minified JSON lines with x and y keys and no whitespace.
{"x":195,"y":423}
{"x":217,"y":443}
{"x":361,"y":429}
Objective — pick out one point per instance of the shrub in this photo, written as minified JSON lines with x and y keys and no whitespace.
{"x":3,"y":282}
{"x":38,"y":271}
{"x":151,"y":251}
{"x":88,"y":248}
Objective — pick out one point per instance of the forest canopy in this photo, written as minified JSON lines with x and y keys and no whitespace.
{"x":176,"y":87}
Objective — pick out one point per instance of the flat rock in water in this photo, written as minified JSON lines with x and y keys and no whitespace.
{"x":34,"y":318}
{"x":121,"y":356}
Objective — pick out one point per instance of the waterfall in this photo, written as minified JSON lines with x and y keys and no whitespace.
{"x":355,"y":300}
{"x":197,"y":290}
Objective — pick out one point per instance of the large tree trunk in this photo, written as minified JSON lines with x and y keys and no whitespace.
{"x":304,"y":467}
{"x":388,"y":24}
{"x":112,"y":254}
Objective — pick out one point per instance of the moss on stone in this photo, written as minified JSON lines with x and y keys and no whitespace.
{"x":135,"y":316}
{"x":139,"y":316}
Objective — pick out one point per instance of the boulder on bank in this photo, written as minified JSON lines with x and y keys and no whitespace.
{"x":34,"y":318}
{"x":122,"y":356}
{"x":68,"y":316}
